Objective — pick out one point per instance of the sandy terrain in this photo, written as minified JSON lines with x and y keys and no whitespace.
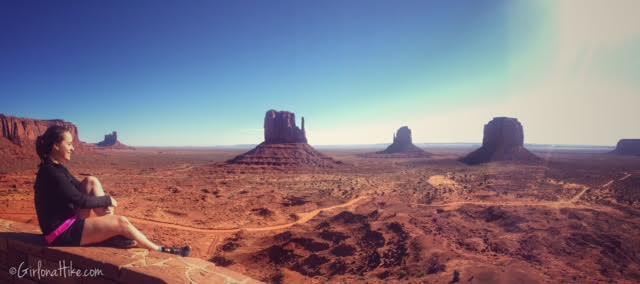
{"x":574,"y":218}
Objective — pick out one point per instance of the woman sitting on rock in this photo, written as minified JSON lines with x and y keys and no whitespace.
{"x":64,"y":204}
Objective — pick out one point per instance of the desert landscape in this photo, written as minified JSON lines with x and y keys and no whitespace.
{"x":285,"y":212}
{"x":480,"y":141}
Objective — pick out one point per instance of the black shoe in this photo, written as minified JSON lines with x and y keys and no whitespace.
{"x":183,"y":251}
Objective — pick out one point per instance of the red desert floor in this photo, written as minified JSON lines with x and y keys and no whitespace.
{"x":574,"y":218}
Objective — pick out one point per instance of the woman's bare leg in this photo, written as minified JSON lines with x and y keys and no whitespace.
{"x":92,"y":186}
{"x":98,"y":229}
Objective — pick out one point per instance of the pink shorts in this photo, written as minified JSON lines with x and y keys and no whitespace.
{"x":51,"y":237}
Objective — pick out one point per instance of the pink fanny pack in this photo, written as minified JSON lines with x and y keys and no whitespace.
{"x":57,"y":232}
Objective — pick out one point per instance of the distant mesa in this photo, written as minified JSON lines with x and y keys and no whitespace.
{"x":402,"y":147}
{"x":628,"y":147}
{"x":111,"y":141}
{"x":403,"y":144}
{"x":18,"y":136}
{"x":24,"y":131}
{"x":503,"y":141}
{"x":285,"y":146}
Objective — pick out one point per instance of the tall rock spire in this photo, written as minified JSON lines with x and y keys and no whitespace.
{"x":280,"y":127}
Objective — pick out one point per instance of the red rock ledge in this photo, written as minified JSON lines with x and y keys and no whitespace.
{"x":20,"y":245}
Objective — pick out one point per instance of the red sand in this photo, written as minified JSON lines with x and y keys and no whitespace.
{"x":574,"y":218}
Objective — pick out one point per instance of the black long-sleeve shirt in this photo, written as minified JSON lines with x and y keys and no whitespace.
{"x":57,"y":196}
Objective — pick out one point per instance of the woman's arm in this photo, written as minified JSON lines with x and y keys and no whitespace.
{"x":65,"y":188}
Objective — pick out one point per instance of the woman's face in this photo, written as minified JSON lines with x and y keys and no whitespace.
{"x":61,"y":152}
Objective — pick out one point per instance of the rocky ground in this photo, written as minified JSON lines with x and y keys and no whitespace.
{"x":574,"y":218}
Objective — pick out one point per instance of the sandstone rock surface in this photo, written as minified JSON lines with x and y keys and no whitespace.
{"x":503,"y":141}
{"x":111,"y":141}
{"x":285,"y":146}
{"x":403,"y":144}
{"x":280,"y":127}
{"x":285,"y":155}
{"x":628,"y":147}
{"x":25,"y":131}
{"x":18,"y":136}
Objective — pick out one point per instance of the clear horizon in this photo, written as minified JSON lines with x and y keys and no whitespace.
{"x":378,"y":145}
{"x":202,"y":74}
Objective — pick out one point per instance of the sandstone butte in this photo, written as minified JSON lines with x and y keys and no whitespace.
{"x":111,"y":141}
{"x":284,"y":145}
{"x":403,"y":145}
{"x":25,"y":131}
{"x":628,"y":147}
{"x":503,"y":140}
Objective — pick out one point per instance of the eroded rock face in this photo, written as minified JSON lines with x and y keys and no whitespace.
{"x":284,"y":155}
{"x":402,"y":143}
{"x":25,"y":131}
{"x":628,"y":147}
{"x":285,"y":146}
{"x":403,"y":136}
{"x":503,"y":141}
{"x":280,"y":127}
{"x":109,"y":140}
{"x":503,"y":132}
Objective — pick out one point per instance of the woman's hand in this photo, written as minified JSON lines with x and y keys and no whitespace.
{"x":114,"y":203}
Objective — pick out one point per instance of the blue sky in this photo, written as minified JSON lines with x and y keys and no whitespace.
{"x":200,"y":73}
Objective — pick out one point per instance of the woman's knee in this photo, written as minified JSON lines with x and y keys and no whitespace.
{"x":93,"y":181}
{"x":92,"y":186}
{"x":123,"y":223}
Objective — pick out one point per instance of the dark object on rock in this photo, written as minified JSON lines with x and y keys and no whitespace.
{"x":628,"y":147}
{"x":181,"y":251}
{"x":221,"y":261}
{"x":436,"y":267}
{"x":456,"y":277}
{"x":503,"y":141}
